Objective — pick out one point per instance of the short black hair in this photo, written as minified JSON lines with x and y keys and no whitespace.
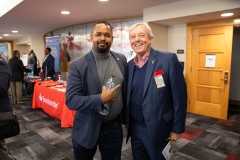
{"x":102,"y":22}
{"x":49,"y":49}
{"x":15,"y":53}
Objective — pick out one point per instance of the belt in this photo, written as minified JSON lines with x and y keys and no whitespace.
{"x":111,"y":121}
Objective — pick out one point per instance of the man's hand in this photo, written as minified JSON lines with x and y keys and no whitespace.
{"x":41,"y":74}
{"x":174,"y":137}
{"x":109,"y":95}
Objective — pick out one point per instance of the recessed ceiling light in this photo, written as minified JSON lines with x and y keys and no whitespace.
{"x":236,"y":21}
{"x":102,"y":0}
{"x":226,"y":14}
{"x":0,"y":37}
{"x":15,"y":31}
{"x":65,"y":12}
{"x":6,"y":34}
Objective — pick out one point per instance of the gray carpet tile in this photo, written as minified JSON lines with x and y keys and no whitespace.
{"x":42,"y":138}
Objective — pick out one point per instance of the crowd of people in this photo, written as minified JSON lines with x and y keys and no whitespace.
{"x":11,"y":84}
{"x":149,"y":96}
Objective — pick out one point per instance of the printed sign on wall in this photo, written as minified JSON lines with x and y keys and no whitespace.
{"x":76,"y":41}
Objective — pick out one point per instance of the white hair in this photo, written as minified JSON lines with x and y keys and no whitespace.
{"x":149,"y":30}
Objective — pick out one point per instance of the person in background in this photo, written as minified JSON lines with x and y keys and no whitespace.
{"x":5,"y":103}
{"x":86,"y":93}
{"x":17,"y":69}
{"x":32,"y":59}
{"x":156,"y":97}
{"x":38,"y":67}
{"x":48,"y":64}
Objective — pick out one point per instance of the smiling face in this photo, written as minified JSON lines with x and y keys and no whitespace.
{"x":140,"y":40}
{"x":101,"y":38}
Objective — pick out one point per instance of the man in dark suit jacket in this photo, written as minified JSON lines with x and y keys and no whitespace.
{"x":32,"y":59}
{"x":17,"y":69}
{"x":156,"y":96}
{"x":48,"y":64}
{"x":85,"y":94}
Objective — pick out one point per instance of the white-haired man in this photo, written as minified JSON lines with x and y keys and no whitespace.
{"x":156,"y":96}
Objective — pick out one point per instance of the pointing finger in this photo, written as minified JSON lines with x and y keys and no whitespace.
{"x":116,"y":87}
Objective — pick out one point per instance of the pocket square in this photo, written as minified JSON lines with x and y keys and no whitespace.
{"x":158,"y":72}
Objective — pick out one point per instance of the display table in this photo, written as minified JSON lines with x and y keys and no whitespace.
{"x":26,"y":82}
{"x":50,"y":96}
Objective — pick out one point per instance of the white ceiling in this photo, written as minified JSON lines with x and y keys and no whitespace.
{"x":201,"y":17}
{"x":42,"y":16}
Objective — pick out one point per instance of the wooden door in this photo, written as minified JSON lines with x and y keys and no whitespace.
{"x":210,"y":82}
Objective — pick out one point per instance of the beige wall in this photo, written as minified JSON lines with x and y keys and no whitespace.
{"x":37,"y":44}
{"x":21,"y":41}
{"x":22,"y":48}
{"x":160,"y":33}
{"x":177,"y":40}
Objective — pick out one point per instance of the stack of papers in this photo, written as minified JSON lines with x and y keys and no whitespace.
{"x":168,"y":151}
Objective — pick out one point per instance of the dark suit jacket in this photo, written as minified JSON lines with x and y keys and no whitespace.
{"x":49,"y":62}
{"x":83,"y":95}
{"x":32,"y":59}
{"x":17,"y":69}
{"x":164,"y":109}
{"x":5,"y":74}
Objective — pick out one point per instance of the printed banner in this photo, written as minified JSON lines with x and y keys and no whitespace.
{"x":54,"y":44}
{"x":30,"y":66}
{"x":76,"y":41}
{"x":4,"y":50}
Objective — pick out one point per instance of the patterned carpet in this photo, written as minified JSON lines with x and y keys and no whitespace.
{"x":206,"y":138}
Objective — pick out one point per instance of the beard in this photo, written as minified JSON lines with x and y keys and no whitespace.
{"x":103,"y":49}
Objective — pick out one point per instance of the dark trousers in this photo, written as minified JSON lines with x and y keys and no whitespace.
{"x":142,"y":147}
{"x":110,"y":144}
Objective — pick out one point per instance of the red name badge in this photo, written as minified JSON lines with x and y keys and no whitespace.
{"x":159,"y":79}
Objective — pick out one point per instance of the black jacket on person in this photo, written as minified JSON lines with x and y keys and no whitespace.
{"x":5,"y":74}
{"x":49,"y":64}
{"x":17,"y":69}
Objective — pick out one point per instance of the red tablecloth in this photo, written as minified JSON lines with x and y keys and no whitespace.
{"x":52,"y":102}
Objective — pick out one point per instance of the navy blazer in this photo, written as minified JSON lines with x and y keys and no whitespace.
{"x":83,"y":95}
{"x":164,"y":109}
{"x":49,"y":62}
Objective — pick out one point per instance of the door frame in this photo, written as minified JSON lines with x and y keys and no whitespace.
{"x":190,"y":27}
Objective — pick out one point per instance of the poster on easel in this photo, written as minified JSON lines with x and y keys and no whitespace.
{"x":24,"y":58}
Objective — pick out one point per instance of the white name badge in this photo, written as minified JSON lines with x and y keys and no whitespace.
{"x":159,"y":81}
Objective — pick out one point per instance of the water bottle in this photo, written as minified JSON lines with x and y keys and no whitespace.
{"x":109,"y":85}
{"x":59,"y":77}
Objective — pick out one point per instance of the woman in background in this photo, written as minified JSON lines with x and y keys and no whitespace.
{"x":5,"y":103}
